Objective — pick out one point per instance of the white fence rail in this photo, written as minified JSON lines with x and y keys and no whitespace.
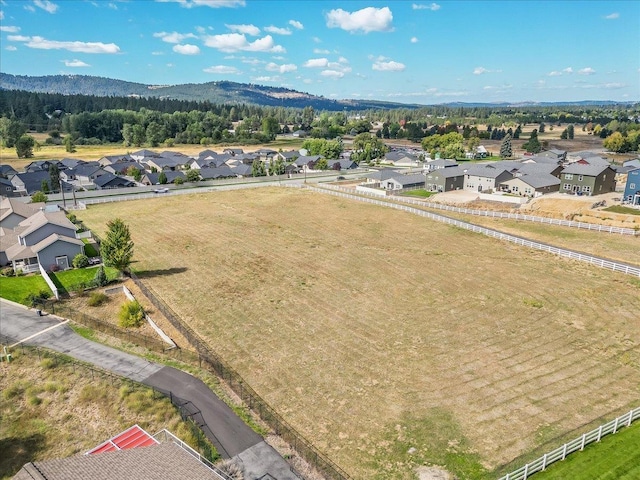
{"x":600,"y":262}
{"x":512,"y":216}
{"x":50,"y":283}
{"x":574,"y":445}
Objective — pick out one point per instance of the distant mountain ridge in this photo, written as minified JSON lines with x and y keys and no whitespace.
{"x":225,"y":92}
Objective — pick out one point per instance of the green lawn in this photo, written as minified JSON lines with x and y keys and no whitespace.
{"x":621,"y":209}
{"x":17,"y":288}
{"x":419,"y":193}
{"x":70,"y":279}
{"x":616,"y":457}
{"x":89,"y":249}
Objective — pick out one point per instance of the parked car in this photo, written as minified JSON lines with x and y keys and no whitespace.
{"x":95,"y":261}
{"x":161,"y":190}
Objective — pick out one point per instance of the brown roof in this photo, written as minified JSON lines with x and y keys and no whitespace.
{"x":11,"y":205}
{"x":166,"y":461}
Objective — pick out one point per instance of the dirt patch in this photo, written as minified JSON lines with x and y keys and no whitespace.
{"x":433,"y":473}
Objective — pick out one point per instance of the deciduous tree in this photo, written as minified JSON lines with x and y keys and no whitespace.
{"x":24,"y":146}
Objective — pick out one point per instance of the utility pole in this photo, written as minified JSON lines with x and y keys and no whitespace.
{"x":64,"y":202}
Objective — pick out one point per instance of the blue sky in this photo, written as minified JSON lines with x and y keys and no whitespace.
{"x":405,"y":51}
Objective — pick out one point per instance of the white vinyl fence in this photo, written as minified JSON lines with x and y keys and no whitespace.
{"x":50,"y":283}
{"x":600,"y":262}
{"x":574,"y":445}
{"x":512,"y":216}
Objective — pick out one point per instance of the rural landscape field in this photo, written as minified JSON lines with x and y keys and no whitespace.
{"x":389,"y":340}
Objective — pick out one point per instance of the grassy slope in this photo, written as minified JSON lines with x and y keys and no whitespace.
{"x":52,"y":410}
{"x":369,"y":328}
{"x":616,"y":457}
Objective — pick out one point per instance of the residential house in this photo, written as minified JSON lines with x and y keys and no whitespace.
{"x":629,"y":163}
{"x":265,"y":154}
{"x":109,"y":180}
{"x":289,"y":157}
{"x":13,"y":211}
{"x":432,"y":165}
{"x":632,"y":188}
{"x":167,"y":161}
{"x":121,"y":168}
{"x":233,"y":151}
{"x":44,"y":238}
{"x":42,"y":165}
{"x":154,"y":178}
{"x":242,"y":170}
{"x":381,"y":175}
{"x":26,"y":183}
{"x":7,"y":170}
{"x":554,"y":154}
{"x":67,"y":163}
{"x":299,"y":134}
{"x":445,"y":179}
{"x":531,"y":185}
{"x":404,"y":182}
{"x":588,"y":179}
{"x":478,"y":153}
{"x":550,"y":160}
{"x":485,"y":177}
{"x":114,"y":159}
{"x":141,"y":155}
{"x":401,"y":159}
{"x":83,"y":175}
{"x":341,"y":164}
{"x":7,"y":189}
{"x":582,"y":155}
{"x":306,"y":162}
{"x":223,"y":171}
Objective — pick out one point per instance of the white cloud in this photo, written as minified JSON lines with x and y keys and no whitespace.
{"x":586,"y":71}
{"x":235,"y":42}
{"x":186,"y":49}
{"x":11,"y":48}
{"x":46,"y":5}
{"x":1,"y":15}
{"x":307,"y":81}
{"x":480,"y":70}
{"x":75,"y":63}
{"x":558,"y":73}
{"x":390,"y":66}
{"x":266,"y":79}
{"x":612,"y":16}
{"x":332,"y":74}
{"x":321,"y":51}
{"x":554,"y":73}
{"x":277,"y":30}
{"x":316,"y":63}
{"x":207,"y":3}
{"x":274,"y":67}
{"x":433,"y":7}
{"x":170,"y":65}
{"x":9,"y":29}
{"x":568,"y":70}
{"x":296,"y":24}
{"x":80,"y":47}
{"x":173,"y":37}
{"x":414,"y":39}
{"x":246,"y":29}
{"x":222,"y":70}
{"x":31,"y":8}
{"x":606,"y":86}
{"x":369,"y":19}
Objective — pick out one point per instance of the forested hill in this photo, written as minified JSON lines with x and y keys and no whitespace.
{"x":213,"y":92}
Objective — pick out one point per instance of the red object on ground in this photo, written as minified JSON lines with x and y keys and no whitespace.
{"x":132,"y":437}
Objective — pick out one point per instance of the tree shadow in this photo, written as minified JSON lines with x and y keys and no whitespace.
{"x":160,"y":273}
{"x":17,"y":451}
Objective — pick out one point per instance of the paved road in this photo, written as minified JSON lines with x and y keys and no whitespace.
{"x":231,"y":436}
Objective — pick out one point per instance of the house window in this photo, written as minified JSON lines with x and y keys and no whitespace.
{"x":514,"y":188}
{"x":566,"y":186}
{"x":568,"y":176}
{"x":580,"y":177}
{"x":586,"y":188}
{"x":632,"y":186}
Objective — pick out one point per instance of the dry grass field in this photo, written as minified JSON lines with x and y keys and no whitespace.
{"x":389,"y":340}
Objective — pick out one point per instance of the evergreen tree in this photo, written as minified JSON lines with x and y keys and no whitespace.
{"x":117,"y":248}
{"x":69,"y":144}
{"x":100,"y":278}
{"x":570,"y":132}
{"x":257,"y":169}
{"x":162,"y":178}
{"x":505,"y":148}
{"x":54,"y":175}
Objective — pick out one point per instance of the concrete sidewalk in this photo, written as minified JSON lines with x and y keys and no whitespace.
{"x":230,"y":435}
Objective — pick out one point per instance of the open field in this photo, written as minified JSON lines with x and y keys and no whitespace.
{"x":375,"y":332}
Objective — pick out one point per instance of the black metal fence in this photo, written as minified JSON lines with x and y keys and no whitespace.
{"x":125,"y":334}
{"x":213,"y":362}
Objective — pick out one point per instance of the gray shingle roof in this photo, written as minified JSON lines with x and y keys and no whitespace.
{"x":166,"y":461}
{"x":539,"y":180}
{"x":589,"y":170}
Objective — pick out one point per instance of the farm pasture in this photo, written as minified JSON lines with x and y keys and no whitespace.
{"x":375,"y":332}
